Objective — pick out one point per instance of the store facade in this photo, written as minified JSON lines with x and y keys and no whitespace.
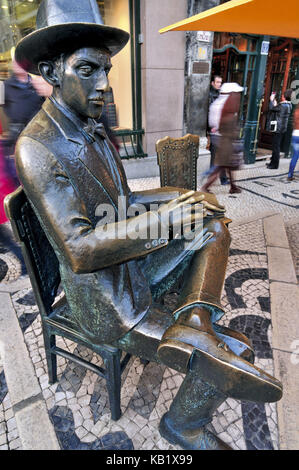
{"x":261,"y":65}
{"x":160,"y":83}
{"x":145,"y":101}
{"x":17,"y":19}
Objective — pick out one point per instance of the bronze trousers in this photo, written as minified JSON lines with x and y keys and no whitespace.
{"x":200,"y":275}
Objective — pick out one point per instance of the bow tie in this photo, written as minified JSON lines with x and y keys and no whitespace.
{"x":95,"y":128}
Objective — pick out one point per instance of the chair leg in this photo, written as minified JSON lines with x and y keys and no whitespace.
{"x":50,"y":342}
{"x":113,"y":380}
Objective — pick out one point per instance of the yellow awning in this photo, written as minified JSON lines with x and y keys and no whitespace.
{"x":266,"y":17}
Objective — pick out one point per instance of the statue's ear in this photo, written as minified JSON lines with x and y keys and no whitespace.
{"x":49,"y":73}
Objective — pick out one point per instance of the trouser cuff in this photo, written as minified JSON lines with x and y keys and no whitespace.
{"x":215,"y":309}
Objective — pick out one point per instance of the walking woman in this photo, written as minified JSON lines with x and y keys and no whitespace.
{"x":228,"y":130}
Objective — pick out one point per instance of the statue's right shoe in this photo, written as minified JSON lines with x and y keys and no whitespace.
{"x":190,"y":439}
{"x":185,"y":348}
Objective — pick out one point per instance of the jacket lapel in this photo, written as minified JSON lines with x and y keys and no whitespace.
{"x":97,"y":173}
{"x":85,"y":165}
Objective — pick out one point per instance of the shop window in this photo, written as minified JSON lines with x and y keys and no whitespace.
{"x":119,"y":110}
{"x":17,"y":19}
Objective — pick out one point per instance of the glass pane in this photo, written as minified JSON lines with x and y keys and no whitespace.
{"x":116,"y":13}
{"x":17,"y":18}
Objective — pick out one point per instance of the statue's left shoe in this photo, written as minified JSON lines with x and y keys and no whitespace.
{"x":199,"y":349}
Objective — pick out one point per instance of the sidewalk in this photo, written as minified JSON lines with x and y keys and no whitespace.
{"x":260,"y":297}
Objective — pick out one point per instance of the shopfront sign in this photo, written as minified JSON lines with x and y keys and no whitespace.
{"x":203,"y":53}
{"x":204,"y":36}
{"x":201,"y":68}
{"x":265,"y":48}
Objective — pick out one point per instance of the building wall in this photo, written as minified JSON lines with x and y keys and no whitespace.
{"x":163,"y":59}
{"x":120,"y":75}
{"x":199,"y":55}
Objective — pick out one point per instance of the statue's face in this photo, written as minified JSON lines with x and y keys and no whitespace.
{"x":84,"y":81}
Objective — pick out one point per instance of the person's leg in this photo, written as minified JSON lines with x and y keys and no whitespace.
{"x":196,"y":399}
{"x":223,"y":177}
{"x":211,"y":178}
{"x":213,"y":371}
{"x":233,"y":187}
{"x":212,"y":150}
{"x":295,"y":156}
{"x":198,"y":307}
{"x":191,"y":410}
{"x":274,"y":162}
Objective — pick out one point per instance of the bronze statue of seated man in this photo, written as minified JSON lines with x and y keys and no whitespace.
{"x":113,"y":280}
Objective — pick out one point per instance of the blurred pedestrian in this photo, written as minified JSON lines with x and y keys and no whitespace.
{"x":295,"y":145}
{"x":7,"y":186}
{"x":21,"y":100}
{"x":21,"y":103}
{"x":212,"y":132}
{"x":225,"y":111}
{"x":280,"y":113}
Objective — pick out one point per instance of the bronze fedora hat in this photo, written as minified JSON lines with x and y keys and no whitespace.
{"x":63,"y":26}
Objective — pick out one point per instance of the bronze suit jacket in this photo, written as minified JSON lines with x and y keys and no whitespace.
{"x":65,"y":178}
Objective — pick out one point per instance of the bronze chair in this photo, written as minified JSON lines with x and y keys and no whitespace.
{"x":177,"y":160}
{"x":43,"y":269}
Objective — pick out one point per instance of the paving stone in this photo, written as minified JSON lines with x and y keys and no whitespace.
{"x":288,"y":416}
{"x":3,"y":437}
{"x":285,"y":297}
{"x":281,"y":266}
{"x":35,"y":418}
{"x":15,"y":444}
{"x":275,"y":233}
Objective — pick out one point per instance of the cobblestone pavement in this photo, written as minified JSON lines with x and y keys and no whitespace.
{"x":78,"y":402}
{"x":262,"y":190}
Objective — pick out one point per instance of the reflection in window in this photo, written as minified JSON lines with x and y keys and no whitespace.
{"x":18,"y":18}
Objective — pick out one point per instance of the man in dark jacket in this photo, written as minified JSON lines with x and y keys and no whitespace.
{"x":21,"y":103}
{"x":215,"y":88}
{"x":280,"y":116}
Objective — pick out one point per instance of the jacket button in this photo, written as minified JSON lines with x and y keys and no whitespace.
{"x":155,"y":243}
{"x":148,"y":246}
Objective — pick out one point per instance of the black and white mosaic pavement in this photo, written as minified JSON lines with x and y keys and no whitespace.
{"x":262,"y":190}
{"x":78,"y":403}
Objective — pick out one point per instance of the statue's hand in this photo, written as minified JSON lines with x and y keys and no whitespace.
{"x":178,"y":210}
{"x":208,"y":207}
{"x":189,"y":209}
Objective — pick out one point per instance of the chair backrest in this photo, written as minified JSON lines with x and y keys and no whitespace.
{"x":177,"y":159}
{"x":40,"y":259}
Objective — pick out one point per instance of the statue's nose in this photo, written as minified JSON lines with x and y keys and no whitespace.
{"x":102,"y":82}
